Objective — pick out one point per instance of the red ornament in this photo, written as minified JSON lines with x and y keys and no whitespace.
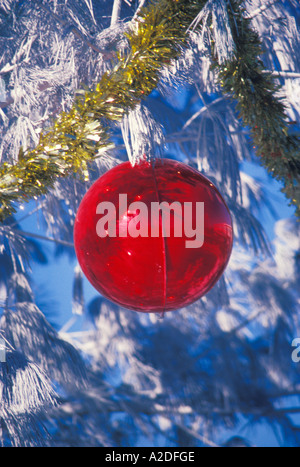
{"x":149,"y":256}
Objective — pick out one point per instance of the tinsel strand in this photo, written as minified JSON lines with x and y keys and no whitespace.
{"x":78,"y":136}
{"x":157,"y":37}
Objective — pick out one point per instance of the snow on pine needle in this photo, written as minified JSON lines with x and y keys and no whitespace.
{"x":24,"y":387}
{"x":221,"y":34}
{"x":142,"y":135}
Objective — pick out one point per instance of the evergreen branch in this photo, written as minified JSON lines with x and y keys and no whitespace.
{"x":77,"y":137}
{"x":156,"y":38}
{"x":245,"y":79}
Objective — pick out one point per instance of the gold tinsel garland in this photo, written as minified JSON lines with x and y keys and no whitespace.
{"x":156,"y":38}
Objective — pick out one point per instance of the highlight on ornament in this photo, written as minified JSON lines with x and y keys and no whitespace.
{"x":154,"y":237}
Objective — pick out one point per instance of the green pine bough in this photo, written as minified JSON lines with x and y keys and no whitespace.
{"x":245,"y":79}
{"x":156,"y":38}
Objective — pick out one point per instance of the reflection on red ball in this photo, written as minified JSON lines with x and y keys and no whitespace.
{"x":149,"y":256}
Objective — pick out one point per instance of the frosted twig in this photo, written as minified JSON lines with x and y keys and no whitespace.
{"x":283,"y":74}
{"x":40,"y":206}
{"x":5,"y":340}
{"x":196,"y":435}
{"x":116,"y":12}
{"x":42,"y":237}
{"x":203,"y":109}
{"x":141,"y":4}
{"x":68,"y":324}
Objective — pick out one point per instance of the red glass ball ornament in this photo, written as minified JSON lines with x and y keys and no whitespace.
{"x":154,"y":237}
